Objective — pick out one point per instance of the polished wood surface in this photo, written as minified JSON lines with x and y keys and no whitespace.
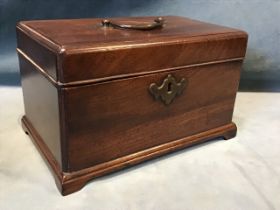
{"x":89,"y":34}
{"x":71,"y":182}
{"x":122,"y":117}
{"x":144,"y":59}
{"x":41,"y":106}
{"x":86,"y":91}
{"x":39,"y":54}
{"x":87,"y":51}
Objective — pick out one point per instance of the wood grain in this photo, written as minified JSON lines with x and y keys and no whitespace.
{"x":39,"y":54}
{"x":86,"y":91}
{"x":86,"y":50}
{"x":71,"y":182}
{"x":112,"y":119}
{"x":41,"y":106}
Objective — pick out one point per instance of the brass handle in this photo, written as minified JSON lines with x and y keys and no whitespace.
{"x":158,"y":23}
{"x":168,"y":90}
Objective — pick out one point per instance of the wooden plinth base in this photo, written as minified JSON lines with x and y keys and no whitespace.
{"x":74,"y":181}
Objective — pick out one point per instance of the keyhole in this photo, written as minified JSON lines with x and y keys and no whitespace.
{"x":169,"y":87}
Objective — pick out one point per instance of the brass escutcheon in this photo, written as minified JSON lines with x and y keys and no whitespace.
{"x":168,"y":90}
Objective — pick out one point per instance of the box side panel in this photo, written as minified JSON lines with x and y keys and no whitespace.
{"x":41,"y":106}
{"x":109,"y":120}
{"x":41,"y":55}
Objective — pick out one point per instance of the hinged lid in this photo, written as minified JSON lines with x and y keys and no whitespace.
{"x":87,"y":51}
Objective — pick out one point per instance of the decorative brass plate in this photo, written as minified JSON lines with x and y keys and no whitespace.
{"x":168,"y":90}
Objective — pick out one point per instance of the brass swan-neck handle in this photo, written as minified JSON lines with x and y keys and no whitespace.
{"x":157,"y":23}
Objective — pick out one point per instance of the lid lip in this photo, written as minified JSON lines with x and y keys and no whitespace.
{"x":72,"y":48}
{"x":39,"y":37}
{"x":68,"y":50}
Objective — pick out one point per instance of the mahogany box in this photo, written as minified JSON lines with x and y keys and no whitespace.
{"x":101,"y":95}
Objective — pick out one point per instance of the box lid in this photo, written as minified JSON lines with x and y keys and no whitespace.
{"x":87,"y":50}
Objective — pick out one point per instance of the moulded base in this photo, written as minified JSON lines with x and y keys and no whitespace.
{"x":74,"y":181}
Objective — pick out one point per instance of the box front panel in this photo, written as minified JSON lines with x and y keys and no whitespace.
{"x":116,"y":118}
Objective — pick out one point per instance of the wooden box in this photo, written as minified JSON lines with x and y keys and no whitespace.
{"x":101,"y":95}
